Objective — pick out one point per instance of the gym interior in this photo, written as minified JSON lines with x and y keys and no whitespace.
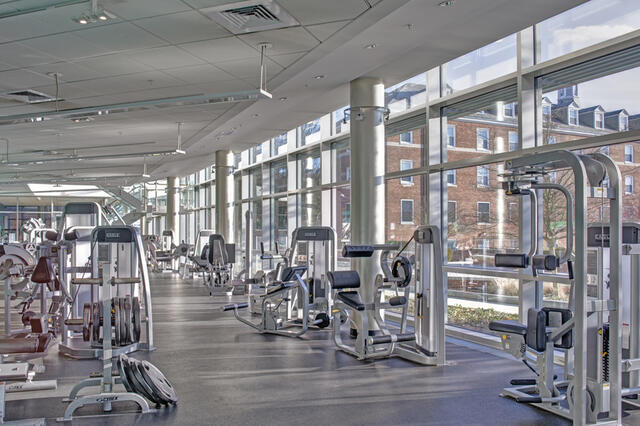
{"x":323,"y":212}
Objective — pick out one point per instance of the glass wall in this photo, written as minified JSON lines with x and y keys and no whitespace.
{"x":475,"y":124}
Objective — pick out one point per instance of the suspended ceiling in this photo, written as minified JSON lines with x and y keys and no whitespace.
{"x":167,"y":48}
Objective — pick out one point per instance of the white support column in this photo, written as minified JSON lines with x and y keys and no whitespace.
{"x":367,"y":177}
{"x":224,"y":195}
{"x":172,"y":221}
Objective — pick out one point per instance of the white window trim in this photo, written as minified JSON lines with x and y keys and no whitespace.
{"x":413,"y":212}
{"x":478,"y":212}
{"x":626,"y":184}
{"x":405,"y":142}
{"x":478,"y":145}
{"x":402,"y":180}
{"x":625,"y":154}
{"x":595,"y":120}
{"x":455,"y":137}
{"x":478,"y":184}
{"x":455,"y":178}
{"x":517,"y":141}
{"x":569,"y":110}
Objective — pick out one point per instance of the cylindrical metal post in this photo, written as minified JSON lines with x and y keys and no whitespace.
{"x":224,"y":194}
{"x":173,"y":208}
{"x":367,"y":178}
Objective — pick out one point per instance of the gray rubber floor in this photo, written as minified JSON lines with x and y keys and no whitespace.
{"x":225,"y":373}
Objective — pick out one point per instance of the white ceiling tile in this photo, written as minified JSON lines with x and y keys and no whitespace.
{"x":113,"y":64}
{"x":288,"y":59}
{"x":122,"y":36}
{"x":165,"y":57}
{"x":286,"y":40}
{"x":309,"y":12}
{"x":65,"y":46}
{"x":21,"y":79}
{"x":135,"y":9}
{"x":183,"y":27}
{"x":249,"y":68}
{"x":221,"y":50}
{"x":199,"y":74}
{"x":324,"y":31}
{"x":19,"y":55}
{"x":150,"y":80}
{"x":70,"y":71}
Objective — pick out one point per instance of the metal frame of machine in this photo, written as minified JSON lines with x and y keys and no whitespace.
{"x":425,"y":344}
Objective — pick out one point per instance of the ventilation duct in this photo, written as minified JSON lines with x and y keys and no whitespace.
{"x":250,"y":16}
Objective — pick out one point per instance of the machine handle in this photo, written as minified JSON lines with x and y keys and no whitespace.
{"x":233,"y":306}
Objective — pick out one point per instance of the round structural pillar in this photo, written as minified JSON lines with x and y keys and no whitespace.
{"x":367,"y":177}
{"x":172,"y":221}
{"x":224,"y":194}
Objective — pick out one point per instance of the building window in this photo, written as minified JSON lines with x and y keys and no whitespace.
{"x":546,"y":110}
{"x":452,"y":178}
{"x":483,"y":176}
{"x":599,"y":121}
{"x":513,"y":141}
{"x":573,"y":116}
{"x":406,"y":165}
{"x":482,"y":139}
{"x":551,"y":140}
{"x":605,"y":182}
{"x":484,"y":212}
{"x":513,"y":243}
{"x":451,"y":135}
{"x":510,"y":110}
{"x":406,"y":137}
{"x":452,"y":212}
{"x":406,"y":211}
{"x":553,"y":177}
{"x":624,"y":123}
{"x":628,"y":184}
{"x":452,"y":244}
{"x":604,"y":150}
{"x":628,"y":153}
{"x":483,"y":243}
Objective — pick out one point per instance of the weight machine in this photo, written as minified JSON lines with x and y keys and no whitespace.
{"x":589,"y":331}
{"x":425,"y":344}
{"x":130,"y":305}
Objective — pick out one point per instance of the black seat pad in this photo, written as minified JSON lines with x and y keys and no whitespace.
{"x":280,"y":287}
{"x":352,"y":299}
{"x":508,"y":326}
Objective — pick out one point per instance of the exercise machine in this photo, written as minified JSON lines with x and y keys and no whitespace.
{"x":589,"y":330}
{"x":274,"y":306}
{"x":221,"y":257}
{"x":198,"y":256}
{"x":130,"y":312}
{"x":374,"y":337}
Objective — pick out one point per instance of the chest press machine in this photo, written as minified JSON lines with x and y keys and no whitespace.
{"x":425,"y":344}
{"x":589,"y":330}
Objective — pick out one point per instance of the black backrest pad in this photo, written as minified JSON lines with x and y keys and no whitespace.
{"x":344,"y":279}
{"x":357,"y":251}
{"x":289,"y":273}
{"x":536,"y":337}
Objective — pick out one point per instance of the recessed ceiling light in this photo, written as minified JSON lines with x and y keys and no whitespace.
{"x":370,"y":46}
{"x":318,"y":77}
{"x":256,"y":115}
{"x":283,"y":98}
{"x":446,"y":3}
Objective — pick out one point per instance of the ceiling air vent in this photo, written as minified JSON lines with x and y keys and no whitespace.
{"x":250,"y":16}
{"x":28,"y":96}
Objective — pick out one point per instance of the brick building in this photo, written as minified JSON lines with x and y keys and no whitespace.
{"x":482,"y":219}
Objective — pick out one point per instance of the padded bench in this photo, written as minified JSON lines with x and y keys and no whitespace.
{"x":508,"y":326}
{"x":352,"y":299}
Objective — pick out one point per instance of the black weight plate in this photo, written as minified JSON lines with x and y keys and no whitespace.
{"x":86,"y":322}
{"x":123,"y":375}
{"x":127,"y":319}
{"x":123,"y":323}
{"x":136,"y":319}
{"x":158,"y":382}
{"x":134,"y":364}
{"x":96,"y":322}
{"x":138,"y":388}
{"x":115,"y":303}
